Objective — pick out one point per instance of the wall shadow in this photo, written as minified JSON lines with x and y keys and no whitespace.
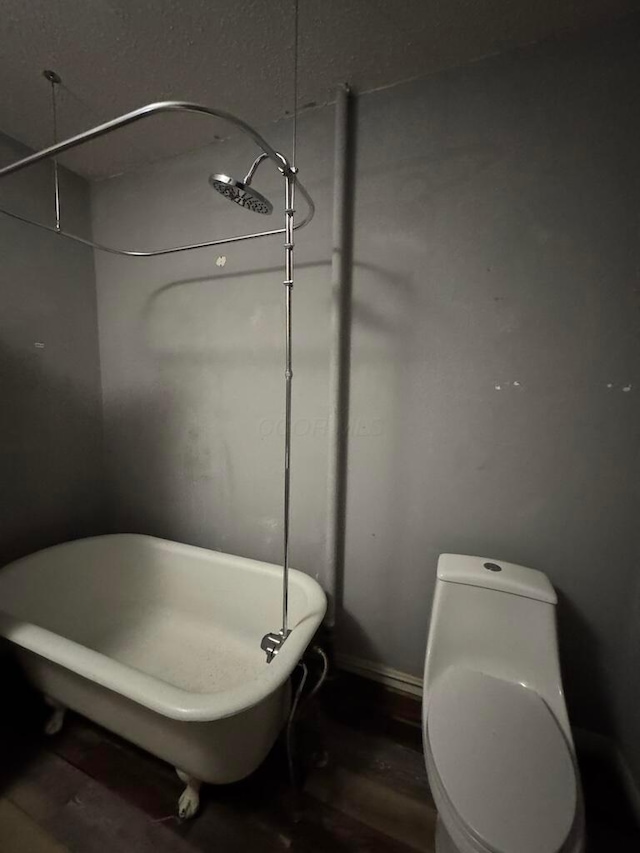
{"x":50,"y":458}
{"x":365,"y":314}
{"x":586,"y":688}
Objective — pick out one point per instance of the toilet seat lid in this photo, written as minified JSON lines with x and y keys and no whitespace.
{"x":503,"y":762}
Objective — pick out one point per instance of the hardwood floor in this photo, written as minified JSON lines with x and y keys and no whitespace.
{"x":365,"y":790}
{"x":89,"y":791}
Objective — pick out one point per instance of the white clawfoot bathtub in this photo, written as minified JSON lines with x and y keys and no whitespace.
{"x":160,"y":642}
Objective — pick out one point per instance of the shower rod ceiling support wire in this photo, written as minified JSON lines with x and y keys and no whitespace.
{"x":55,"y":80}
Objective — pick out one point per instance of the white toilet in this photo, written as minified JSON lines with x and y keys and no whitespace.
{"x":498,"y":746}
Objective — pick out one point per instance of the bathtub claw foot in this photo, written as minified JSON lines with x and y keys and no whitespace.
{"x":189,"y":801}
{"x":56,"y":717}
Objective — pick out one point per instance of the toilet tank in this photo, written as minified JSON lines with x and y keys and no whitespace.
{"x":497,"y":618}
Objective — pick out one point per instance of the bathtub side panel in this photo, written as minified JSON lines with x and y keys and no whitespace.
{"x":218,"y":751}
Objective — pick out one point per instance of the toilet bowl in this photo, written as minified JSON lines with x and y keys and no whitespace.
{"x":498,"y":746}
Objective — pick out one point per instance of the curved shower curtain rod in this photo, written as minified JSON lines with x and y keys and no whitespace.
{"x":280,"y":161}
{"x":271,"y":642}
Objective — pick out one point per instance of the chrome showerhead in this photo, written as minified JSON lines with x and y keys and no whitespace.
{"x":241,"y":193}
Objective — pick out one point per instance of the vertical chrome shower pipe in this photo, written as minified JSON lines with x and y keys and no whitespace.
{"x":272,"y":642}
{"x":288,"y":373}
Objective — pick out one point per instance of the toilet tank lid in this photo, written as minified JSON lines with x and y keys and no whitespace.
{"x":503,"y":762}
{"x":496,"y":574}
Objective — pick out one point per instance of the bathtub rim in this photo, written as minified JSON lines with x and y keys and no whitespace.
{"x":149,"y":691}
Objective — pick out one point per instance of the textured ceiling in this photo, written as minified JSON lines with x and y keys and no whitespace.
{"x":115,"y":55}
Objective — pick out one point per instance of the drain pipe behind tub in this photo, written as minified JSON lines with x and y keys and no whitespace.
{"x":340,"y":354}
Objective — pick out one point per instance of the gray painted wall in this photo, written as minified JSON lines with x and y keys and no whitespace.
{"x":497,"y":343}
{"x":495,"y":389}
{"x":51,"y":485}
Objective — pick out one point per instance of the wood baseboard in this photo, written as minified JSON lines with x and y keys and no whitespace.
{"x":392,"y":678}
{"x":377,"y":705}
